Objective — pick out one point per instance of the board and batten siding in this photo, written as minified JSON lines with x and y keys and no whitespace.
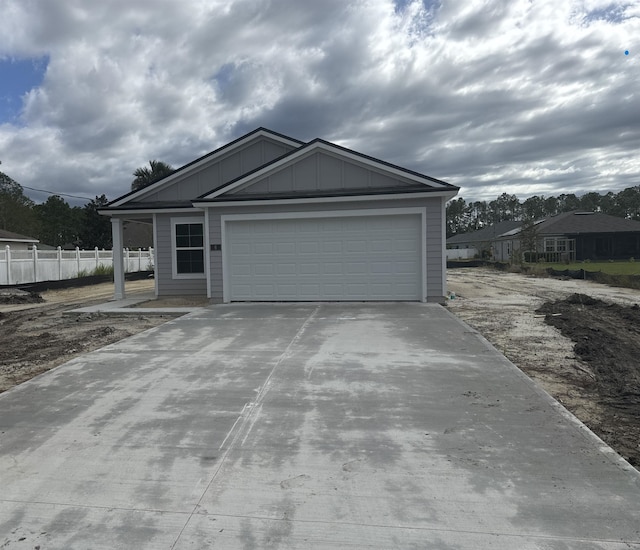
{"x":322,"y":172}
{"x":166,"y":284}
{"x":434,"y":241}
{"x":224,"y":169}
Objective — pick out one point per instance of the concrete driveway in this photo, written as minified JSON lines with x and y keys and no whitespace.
{"x":304,"y":426}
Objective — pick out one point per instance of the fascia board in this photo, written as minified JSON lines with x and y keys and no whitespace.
{"x":324,"y":200}
{"x":131,"y":211}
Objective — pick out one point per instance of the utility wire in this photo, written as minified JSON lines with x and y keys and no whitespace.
{"x":52,"y":193}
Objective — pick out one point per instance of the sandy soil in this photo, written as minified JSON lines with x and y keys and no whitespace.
{"x":35,"y":337}
{"x":578,"y":340}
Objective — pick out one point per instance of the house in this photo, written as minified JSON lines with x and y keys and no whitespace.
{"x":478,"y":243}
{"x":16,"y":241}
{"x":577,"y":236}
{"x":270,"y":218}
{"x":570,"y":236}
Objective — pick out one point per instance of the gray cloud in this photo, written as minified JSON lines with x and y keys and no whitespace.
{"x":494,"y":96}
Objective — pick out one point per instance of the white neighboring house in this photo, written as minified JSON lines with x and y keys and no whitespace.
{"x":16,"y":241}
{"x":483,"y":243}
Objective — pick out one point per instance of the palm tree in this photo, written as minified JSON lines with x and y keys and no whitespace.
{"x":146,"y":176}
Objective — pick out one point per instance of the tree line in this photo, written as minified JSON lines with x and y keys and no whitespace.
{"x":56,"y":223}
{"x":463,"y":217}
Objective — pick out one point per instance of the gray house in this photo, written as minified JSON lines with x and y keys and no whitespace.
{"x":270,"y":218}
{"x":577,"y":236}
{"x":16,"y":241}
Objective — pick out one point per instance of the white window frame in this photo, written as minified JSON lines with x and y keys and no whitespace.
{"x":174,"y":248}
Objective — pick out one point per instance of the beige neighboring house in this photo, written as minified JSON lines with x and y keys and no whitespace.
{"x":16,"y":241}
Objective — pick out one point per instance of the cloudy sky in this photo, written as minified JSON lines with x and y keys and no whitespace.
{"x":518,"y":96}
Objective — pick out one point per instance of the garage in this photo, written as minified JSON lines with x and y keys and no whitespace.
{"x":339,"y":256}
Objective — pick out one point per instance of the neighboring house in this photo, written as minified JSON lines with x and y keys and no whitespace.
{"x":271,"y":218}
{"x":479,"y":242}
{"x":577,"y":236}
{"x":16,"y":241}
{"x":571,"y":236}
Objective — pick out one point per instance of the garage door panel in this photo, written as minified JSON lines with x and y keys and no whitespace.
{"x":405,"y":268}
{"x":286,"y":269}
{"x":239,"y":270}
{"x":263,"y":248}
{"x":356,"y":268}
{"x":356,"y":246}
{"x":284,"y":248}
{"x":382,"y":267}
{"x":263,"y":269}
{"x":352,"y":258}
{"x":332,"y":247}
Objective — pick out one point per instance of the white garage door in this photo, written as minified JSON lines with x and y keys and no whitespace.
{"x":339,"y":258}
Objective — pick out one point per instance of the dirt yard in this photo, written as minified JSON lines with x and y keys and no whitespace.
{"x":578,"y":340}
{"x":36,"y":336}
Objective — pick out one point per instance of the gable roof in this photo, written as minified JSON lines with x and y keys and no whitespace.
{"x":576,"y":222}
{"x":315,"y":145}
{"x":567,"y":223}
{"x":486,"y":234}
{"x":202,"y":161}
{"x":16,"y":237}
{"x":407,"y":181}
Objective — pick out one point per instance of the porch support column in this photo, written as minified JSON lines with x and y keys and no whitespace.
{"x":118,"y":260}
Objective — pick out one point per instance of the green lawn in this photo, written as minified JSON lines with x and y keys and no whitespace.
{"x":624,"y":267}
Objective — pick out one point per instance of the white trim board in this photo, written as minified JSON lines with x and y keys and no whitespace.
{"x":174,"y":261}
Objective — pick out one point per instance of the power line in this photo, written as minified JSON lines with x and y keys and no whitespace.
{"x":60,"y":194}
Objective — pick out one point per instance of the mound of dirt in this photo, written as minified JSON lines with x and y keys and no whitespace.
{"x":16,"y":296}
{"x":607,"y":337}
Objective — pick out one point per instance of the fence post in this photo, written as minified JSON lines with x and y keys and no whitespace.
{"x":97,"y":257}
{"x":126,"y":255}
{"x":8,"y":249}
{"x":77,"y":262}
{"x":59,"y":263}
{"x":34,"y":251}
{"x":139,"y":259}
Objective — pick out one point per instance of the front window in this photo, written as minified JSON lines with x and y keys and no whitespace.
{"x":188,"y":241}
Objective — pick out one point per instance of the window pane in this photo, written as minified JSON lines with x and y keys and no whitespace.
{"x":189,"y":235}
{"x":182,"y":229}
{"x":182,"y":241}
{"x":190,"y":261}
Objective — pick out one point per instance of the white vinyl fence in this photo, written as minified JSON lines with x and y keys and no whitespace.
{"x":32,"y":266}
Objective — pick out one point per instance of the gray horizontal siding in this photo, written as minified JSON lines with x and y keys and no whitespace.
{"x":167,"y":285}
{"x":434,"y":241}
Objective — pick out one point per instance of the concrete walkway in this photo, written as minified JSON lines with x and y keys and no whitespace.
{"x":304,"y":426}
